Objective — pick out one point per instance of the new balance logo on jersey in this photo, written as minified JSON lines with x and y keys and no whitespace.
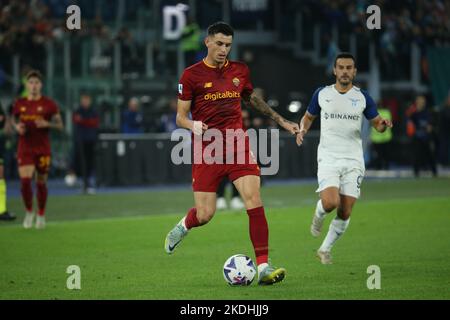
{"x":341,"y":116}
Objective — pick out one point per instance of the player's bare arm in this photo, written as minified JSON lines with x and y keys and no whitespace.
{"x":18,"y":126}
{"x":183,"y":121}
{"x":260,"y":105}
{"x":55,"y":123}
{"x":305,"y":124}
{"x":9,"y":128}
{"x":380,"y":124}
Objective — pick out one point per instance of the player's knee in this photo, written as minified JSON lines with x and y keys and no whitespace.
{"x":204,"y":215}
{"x":329,"y":204}
{"x":253,"y":200}
{"x":41,"y":178}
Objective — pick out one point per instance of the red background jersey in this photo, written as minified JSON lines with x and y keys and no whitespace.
{"x":28,"y":111}
{"x":216,"y":93}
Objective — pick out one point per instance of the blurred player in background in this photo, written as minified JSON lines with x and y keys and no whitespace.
{"x":340,"y":154}
{"x":86,"y":122}
{"x":422,"y":136}
{"x":212,"y":90}
{"x":4,"y":214}
{"x":33,"y":116}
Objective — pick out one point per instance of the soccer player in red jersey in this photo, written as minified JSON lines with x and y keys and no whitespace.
{"x":212,"y":90}
{"x":33,"y":116}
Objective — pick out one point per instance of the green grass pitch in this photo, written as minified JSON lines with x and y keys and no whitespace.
{"x":402,"y":226}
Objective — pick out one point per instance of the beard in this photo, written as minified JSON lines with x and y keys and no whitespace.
{"x":346,"y":81}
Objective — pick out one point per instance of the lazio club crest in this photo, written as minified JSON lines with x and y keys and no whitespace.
{"x":236,"y":82}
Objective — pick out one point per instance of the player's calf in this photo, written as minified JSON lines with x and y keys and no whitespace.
{"x":42,"y":193}
{"x":343,"y":214}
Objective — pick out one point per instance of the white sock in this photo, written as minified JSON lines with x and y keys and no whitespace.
{"x":336,"y":230}
{"x":183,"y":223}
{"x":320,"y":211}
{"x":261,"y":267}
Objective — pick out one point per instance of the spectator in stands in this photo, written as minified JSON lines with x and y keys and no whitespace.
{"x":381,"y":143}
{"x":168,"y":121}
{"x":190,"y":42}
{"x":422,"y":136}
{"x":86,"y":122}
{"x":444,"y":132}
{"x":132,"y":118}
{"x":131,"y":60}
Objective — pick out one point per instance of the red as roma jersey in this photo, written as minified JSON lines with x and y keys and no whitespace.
{"x":216,"y":93}
{"x":28,"y":111}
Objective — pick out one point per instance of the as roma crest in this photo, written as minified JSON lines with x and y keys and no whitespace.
{"x":236,"y":82}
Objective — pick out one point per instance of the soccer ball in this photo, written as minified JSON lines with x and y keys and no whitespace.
{"x":70,"y":179}
{"x":239,"y":270}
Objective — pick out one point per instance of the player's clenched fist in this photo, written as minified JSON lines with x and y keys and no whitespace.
{"x":20,"y":128}
{"x":386,"y":123}
{"x":290,"y":126}
{"x":300,"y":136}
{"x":41,"y":123}
{"x":199,"y":127}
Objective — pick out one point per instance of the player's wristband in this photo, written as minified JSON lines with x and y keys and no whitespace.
{"x":197,"y":128}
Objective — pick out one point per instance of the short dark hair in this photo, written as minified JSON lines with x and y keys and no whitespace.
{"x":344,"y":55}
{"x":220,"y":27}
{"x":34,"y":74}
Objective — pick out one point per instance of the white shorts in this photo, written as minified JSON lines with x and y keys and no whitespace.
{"x":347,"y":179}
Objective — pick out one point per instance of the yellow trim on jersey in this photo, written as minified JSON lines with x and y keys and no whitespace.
{"x":211,"y":66}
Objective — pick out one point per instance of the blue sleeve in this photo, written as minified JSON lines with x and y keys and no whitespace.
{"x":314,"y":107}
{"x":370,"y":111}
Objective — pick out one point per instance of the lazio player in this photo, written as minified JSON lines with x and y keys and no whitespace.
{"x":36,"y":115}
{"x":341,"y":107}
{"x":211,"y":91}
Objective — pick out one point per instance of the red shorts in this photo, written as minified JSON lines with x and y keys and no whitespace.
{"x":40,"y":160}
{"x":207,"y":177}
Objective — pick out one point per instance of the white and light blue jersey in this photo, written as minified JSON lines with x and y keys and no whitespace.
{"x":341,"y":121}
